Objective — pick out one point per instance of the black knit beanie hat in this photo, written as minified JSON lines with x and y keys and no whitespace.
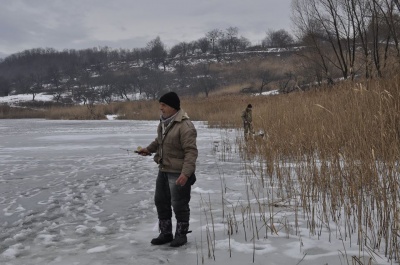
{"x":249,"y":106}
{"x":172,"y":100}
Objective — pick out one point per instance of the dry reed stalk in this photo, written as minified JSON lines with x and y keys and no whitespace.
{"x":230,"y":232}
{"x":210,"y":245}
{"x":213,"y":227}
{"x":201,"y":235}
{"x":244,"y":224}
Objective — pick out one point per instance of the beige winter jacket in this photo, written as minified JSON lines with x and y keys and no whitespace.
{"x":176,"y":152}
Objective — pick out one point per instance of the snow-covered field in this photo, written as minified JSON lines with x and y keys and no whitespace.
{"x":10,"y":100}
{"x":71,"y":194}
{"x":15,"y":99}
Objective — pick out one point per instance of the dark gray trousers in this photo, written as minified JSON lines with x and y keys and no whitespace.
{"x":169,"y":196}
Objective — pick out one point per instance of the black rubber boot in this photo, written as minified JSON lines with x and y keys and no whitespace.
{"x":180,"y":234}
{"x":165,"y":236}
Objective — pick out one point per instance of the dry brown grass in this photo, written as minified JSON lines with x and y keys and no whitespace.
{"x":7,"y":112}
{"x":340,"y":119}
{"x":230,"y":89}
{"x":342,"y":147}
{"x":76,"y":113}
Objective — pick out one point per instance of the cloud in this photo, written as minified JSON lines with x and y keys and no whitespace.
{"x":79,"y":24}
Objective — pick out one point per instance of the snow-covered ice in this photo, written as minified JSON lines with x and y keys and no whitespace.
{"x":73,"y":192}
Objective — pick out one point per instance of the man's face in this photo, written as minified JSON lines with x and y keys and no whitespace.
{"x":167,"y":111}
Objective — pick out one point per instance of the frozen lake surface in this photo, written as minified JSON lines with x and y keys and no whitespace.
{"x":70,"y":194}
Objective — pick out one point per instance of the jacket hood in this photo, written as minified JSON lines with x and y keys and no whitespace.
{"x":181,"y":115}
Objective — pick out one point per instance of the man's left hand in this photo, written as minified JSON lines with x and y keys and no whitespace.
{"x":181,"y":181}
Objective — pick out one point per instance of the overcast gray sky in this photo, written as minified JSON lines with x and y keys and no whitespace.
{"x":81,"y":24}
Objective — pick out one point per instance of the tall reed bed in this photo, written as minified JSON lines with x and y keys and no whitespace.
{"x":336,"y":153}
{"x":7,"y":112}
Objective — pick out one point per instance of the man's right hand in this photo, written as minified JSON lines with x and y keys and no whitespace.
{"x":143,"y":151}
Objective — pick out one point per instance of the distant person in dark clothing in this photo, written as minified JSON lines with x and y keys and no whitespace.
{"x":247,"y":118}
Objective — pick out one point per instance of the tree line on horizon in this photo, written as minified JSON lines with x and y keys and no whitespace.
{"x":123,"y":71}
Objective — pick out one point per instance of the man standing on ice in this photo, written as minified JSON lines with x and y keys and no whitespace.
{"x":176,"y":153}
{"x":247,"y":118}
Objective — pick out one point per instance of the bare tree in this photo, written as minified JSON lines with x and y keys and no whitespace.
{"x":71,"y":73}
{"x":204,"y":44}
{"x":54,"y":76}
{"x":152,"y":82}
{"x":279,"y":39}
{"x":287,"y":82}
{"x":139,"y":55}
{"x":232,"y":38}
{"x":106,"y":86}
{"x":350,"y":29}
{"x":359,"y":13}
{"x":37,"y":84}
{"x":312,"y":35}
{"x":126,"y":84}
{"x":243,"y":44}
{"x":22,"y":83}
{"x":181,"y":72}
{"x":157,"y":52}
{"x":389,"y":21}
{"x":397,"y":4}
{"x":266,"y":76}
{"x":5,"y":87}
{"x":374,"y":23}
{"x":337,"y":28}
{"x":86,"y":90}
{"x":180,"y":49}
{"x":214,"y":36}
{"x":156,"y":84}
{"x":207,"y":79}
